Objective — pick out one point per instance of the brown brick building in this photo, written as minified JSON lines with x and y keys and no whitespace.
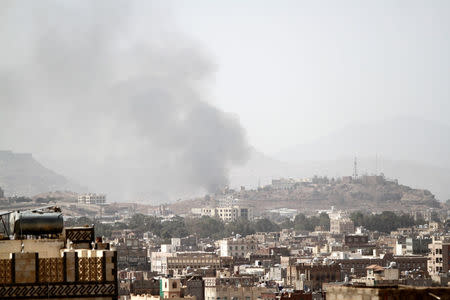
{"x":43,"y":261}
{"x":313,"y":275}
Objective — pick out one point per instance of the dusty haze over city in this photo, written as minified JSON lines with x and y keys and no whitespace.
{"x":156,"y":100}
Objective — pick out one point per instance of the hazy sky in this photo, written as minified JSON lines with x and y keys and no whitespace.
{"x":174,"y":92}
{"x":296,"y":70}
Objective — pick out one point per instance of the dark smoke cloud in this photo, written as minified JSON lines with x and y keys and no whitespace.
{"x":110,"y":94}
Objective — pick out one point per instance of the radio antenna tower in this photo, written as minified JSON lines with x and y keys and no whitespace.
{"x":355,"y":169}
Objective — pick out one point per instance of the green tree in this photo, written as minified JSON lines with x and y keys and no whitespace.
{"x":205,"y":227}
{"x":265,"y":225}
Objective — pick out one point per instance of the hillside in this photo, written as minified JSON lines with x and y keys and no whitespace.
{"x":261,"y":168}
{"x":411,"y":150}
{"x":354,"y":195}
{"x":21,"y":174}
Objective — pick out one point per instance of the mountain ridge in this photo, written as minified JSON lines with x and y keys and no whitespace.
{"x":22,"y":175}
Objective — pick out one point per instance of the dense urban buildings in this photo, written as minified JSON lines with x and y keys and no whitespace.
{"x":235,"y":251}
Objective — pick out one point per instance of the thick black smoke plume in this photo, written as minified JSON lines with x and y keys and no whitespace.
{"x":113,"y":96}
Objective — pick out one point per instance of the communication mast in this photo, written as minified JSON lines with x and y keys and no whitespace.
{"x":355,"y":169}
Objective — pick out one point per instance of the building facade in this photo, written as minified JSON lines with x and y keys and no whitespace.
{"x":309,"y":276}
{"x":97,"y":199}
{"x":56,"y":263}
{"x":233,"y":288}
{"x":342,"y":225}
{"x":238,"y":247}
{"x":228,"y":213}
{"x":438,"y":257}
{"x":193,"y":260}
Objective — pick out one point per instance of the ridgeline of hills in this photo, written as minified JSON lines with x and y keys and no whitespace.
{"x":262,"y":169}
{"x":411,"y":150}
{"x":22,"y":175}
{"x":323,"y":193}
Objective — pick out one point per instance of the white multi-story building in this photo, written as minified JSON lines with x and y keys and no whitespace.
{"x":92,"y":199}
{"x":228,"y":213}
{"x":283,"y":184}
{"x":439,"y":256}
{"x":158,"y":261}
{"x":237,"y":247}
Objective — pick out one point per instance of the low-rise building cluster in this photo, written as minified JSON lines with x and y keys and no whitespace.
{"x":324,"y":264}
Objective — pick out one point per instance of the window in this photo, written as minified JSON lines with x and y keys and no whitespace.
{"x":174,"y":285}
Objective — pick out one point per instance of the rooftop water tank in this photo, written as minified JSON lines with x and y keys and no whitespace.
{"x":37,"y":223}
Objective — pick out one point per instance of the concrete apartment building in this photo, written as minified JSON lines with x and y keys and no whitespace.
{"x":357,"y":265}
{"x":438,"y":257}
{"x":45,"y":260}
{"x":350,"y":292}
{"x":158,"y":261}
{"x":233,"y":288}
{"x":238,"y":247}
{"x":283,"y":184}
{"x":163,"y":262}
{"x":312,"y":276}
{"x":228,"y":213}
{"x":132,"y":254}
{"x":170,"y":288}
{"x":193,"y":260}
{"x":342,"y":225}
{"x":417,"y":245}
{"x":97,"y":199}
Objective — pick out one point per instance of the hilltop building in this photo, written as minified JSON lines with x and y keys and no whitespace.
{"x":97,"y":199}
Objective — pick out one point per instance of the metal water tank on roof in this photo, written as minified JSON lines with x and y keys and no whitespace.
{"x":36,"y":223}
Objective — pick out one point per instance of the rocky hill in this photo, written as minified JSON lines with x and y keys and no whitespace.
{"x":262,"y":168}
{"x":21,"y":174}
{"x":349,"y":195}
